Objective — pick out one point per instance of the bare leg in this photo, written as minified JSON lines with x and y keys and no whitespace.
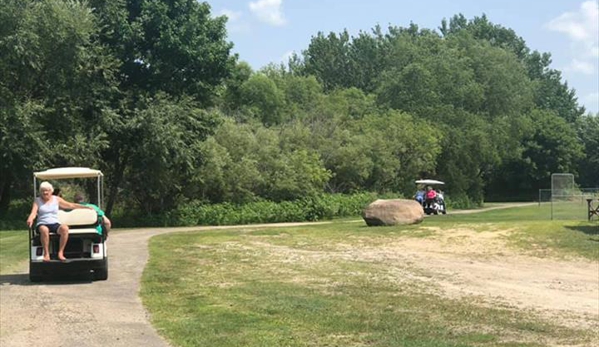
{"x":107,"y":223}
{"x":45,"y":240}
{"x":64,"y":237}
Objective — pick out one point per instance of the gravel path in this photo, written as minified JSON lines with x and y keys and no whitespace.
{"x":103,"y":313}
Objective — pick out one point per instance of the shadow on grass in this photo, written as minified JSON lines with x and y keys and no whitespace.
{"x":586,"y":229}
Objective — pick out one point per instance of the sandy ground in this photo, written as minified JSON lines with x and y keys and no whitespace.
{"x":459,"y":263}
{"x":464,"y":263}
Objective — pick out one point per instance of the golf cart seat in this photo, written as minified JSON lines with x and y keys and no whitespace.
{"x":80,"y":222}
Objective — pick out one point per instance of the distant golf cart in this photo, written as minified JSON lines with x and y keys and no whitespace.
{"x":435,"y":205}
{"x":86,"y":248}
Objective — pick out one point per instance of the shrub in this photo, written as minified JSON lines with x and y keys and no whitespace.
{"x":16,"y":216}
{"x":321,"y":207}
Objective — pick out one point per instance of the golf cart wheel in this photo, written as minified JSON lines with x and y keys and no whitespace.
{"x":444,"y":212}
{"x":101,"y":273}
{"x":35,"y":273}
{"x":35,"y":278}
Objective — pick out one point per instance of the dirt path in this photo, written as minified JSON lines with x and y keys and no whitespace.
{"x":462,"y":263}
{"x":494,"y":207}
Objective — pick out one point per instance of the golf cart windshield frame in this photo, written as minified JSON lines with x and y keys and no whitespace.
{"x":68,"y":173}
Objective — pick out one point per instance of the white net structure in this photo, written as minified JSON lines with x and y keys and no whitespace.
{"x":568,"y":201}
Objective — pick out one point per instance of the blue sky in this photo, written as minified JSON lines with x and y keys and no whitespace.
{"x":267,"y":31}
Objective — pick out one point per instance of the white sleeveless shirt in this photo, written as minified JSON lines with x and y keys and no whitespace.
{"x":47,"y":213}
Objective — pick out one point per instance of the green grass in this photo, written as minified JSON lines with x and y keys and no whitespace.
{"x":312,"y":286}
{"x":533,"y":232}
{"x":13,"y":250}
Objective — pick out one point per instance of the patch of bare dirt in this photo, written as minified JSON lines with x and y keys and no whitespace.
{"x":469,"y":264}
{"x":480,"y":264}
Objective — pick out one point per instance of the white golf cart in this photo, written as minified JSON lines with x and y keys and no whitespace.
{"x":436,"y":205}
{"x":86,"y":248}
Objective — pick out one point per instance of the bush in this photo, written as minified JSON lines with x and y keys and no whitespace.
{"x":322,"y":207}
{"x":16,"y":217}
{"x":462,"y":201}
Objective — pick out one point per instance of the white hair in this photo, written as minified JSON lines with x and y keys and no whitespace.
{"x":46,"y":186}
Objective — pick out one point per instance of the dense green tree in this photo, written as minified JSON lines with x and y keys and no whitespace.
{"x":470,"y":153}
{"x":53,"y":82}
{"x":327,"y":58}
{"x":551,"y":93}
{"x":247,"y":162}
{"x":482,"y":29}
{"x":150,"y":86}
{"x":352,"y":103}
{"x":302,"y":94}
{"x":168,"y":134}
{"x":263,"y":99}
{"x":549,"y":145}
{"x":173,"y":48}
{"x":231,"y":96}
{"x":408,"y":89}
{"x":588,"y":132}
{"x":400,"y":147}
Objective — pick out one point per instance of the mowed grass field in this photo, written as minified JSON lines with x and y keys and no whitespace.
{"x":13,"y":250}
{"x":345,"y":284}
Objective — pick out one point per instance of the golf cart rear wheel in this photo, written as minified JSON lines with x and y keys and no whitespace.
{"x":35,"y":273}
{"x":101,"y":273}
{"x":35,"y":278}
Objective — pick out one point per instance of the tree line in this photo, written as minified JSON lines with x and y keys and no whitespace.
{"x":150,"y":93}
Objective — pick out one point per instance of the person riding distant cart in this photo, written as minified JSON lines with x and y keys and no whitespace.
{"x":431,"y":196}
{"x":420,"y":196}
{"x":434,"y":200}
{"x":440,"y":196}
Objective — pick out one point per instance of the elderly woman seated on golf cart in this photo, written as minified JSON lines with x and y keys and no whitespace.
{"x":45,"y":208}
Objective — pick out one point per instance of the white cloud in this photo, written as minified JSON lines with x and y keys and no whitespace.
{"x":580,"y":66}
{"x":235,"y":24}
{"x":581,"y":25}
{"x":268,"y":11}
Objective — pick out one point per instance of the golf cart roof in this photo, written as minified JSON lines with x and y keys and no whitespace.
{"x":67,"y":172}
{"x":429,"y":182}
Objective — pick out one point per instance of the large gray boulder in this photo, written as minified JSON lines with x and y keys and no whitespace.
{"x":393,"y":212}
